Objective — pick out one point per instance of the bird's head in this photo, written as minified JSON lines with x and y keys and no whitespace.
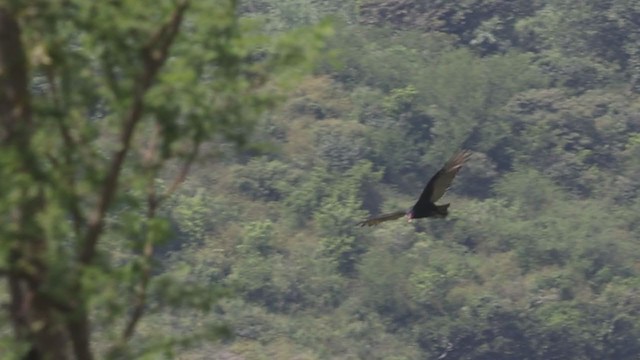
{"x":409,"y":215}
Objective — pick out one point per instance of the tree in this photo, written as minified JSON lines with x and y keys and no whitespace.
{"x":486,"y":25}
{"x":585,"y":46}
{"x":95,"y":108}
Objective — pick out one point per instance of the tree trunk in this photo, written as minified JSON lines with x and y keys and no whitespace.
{"x":36,"y":320}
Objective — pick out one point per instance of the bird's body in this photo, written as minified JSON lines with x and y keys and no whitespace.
{"x":435,"y":189}
{"x":429,"y":210}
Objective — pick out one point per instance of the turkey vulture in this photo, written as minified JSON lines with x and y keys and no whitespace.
{"x":437,"y":186}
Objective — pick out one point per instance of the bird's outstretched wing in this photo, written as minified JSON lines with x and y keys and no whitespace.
{"x":442,"y":180}
{"x":381,"y":218}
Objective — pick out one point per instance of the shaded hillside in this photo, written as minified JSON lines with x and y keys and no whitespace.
{"x":538,"y":259}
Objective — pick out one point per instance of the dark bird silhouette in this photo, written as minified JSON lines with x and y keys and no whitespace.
{"x":435,"y":189}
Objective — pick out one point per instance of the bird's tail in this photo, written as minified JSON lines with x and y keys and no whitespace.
{"x":442,"y":211}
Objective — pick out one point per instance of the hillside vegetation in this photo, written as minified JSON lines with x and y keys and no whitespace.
{"x":539,"y":258}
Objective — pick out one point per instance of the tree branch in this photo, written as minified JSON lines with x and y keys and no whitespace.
{"x":14,"y":120}
{"x":154,"y":56}
{"x":182,"y":174}
{"x":32,"y":312}
{"x":15,"y":109}
{"x":153,"y":202}
{"x":147,"y":251}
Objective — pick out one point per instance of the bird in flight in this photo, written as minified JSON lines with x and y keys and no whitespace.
{"x":435,"y":189}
